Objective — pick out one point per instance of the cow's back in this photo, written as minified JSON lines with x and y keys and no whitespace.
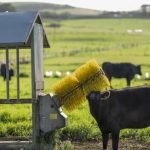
{"x":132,"y":106}
{"x":132,"y":95}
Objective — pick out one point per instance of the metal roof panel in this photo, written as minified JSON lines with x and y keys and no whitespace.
{"x":16,"y":27}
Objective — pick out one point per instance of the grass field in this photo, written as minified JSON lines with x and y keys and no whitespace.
{"x":72,"y":44}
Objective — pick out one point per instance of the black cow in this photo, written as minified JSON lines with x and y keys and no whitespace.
{"x":120,"y":109}
{"x":121,"y":70}
{"x":3,"y":71}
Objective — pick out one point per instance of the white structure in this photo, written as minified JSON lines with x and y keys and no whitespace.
{"x":147,"y":76}
{"x":145,"y":8}
{"x":48,"y":73}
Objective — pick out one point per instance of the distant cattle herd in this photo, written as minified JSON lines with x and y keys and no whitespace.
{"x":112,"y":70}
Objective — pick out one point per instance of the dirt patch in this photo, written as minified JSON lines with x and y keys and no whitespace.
{"x":123,"y":145}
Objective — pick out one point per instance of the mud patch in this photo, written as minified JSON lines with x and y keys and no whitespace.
{"x":123,"y":145}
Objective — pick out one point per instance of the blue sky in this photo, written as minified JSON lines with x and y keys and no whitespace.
{"x":109,"y":5}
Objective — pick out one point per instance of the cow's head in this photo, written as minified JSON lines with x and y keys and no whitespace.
{"x":93,"y":96}
{"x":138,"y":70}
{"x":97,"y":96}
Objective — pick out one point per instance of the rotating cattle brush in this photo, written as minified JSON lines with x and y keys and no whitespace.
{"x":72,"y":89}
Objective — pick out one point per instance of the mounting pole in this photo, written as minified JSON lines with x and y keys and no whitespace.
{"x":37,"y":81}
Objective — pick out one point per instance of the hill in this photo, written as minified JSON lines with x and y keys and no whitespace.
{"x":49,"y":10}
{"x":59,"y":12}
{"x":26,"y":6}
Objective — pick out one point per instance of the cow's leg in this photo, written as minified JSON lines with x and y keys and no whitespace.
{"x":128,"y":82}
{"x":129,"y":78}
{"x":105,"y":136}
{"x":115,"y":139}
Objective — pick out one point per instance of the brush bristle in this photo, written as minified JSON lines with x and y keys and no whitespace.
{"x":70,"y":93}
{"x":87,"y":70}
{"x":74,"y":99}
{"x":65,"y":85}
{"x":96,"y":83}
{"x":92,"y":77}
{"x":72,"y":89}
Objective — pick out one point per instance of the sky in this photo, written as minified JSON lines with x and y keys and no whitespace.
{"x":108,"y":5}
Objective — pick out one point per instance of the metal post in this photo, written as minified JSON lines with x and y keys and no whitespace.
{"x":18,"y":81}
{"x":37,"y":81}
{"x":35,"y":133}
{"x":7,"y":73}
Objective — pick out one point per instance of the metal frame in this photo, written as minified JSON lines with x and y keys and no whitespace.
{"x":37,"y":81}
{"x":16,"y":100}
{"x":33,"y":37}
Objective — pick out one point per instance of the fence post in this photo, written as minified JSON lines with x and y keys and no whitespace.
{"x":37,"y":81}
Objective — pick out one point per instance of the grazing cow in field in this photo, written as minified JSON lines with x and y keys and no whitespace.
{"x":3,"y":71}
{"x":120,"y":109}
{"x":121,"y":70}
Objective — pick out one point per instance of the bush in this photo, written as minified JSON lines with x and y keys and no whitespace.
{"x":19,"y":129}
{"x":3,"y":130}
{"x":5,"y":117}
{"x":66,"y":145}
{"x":80,"y":132}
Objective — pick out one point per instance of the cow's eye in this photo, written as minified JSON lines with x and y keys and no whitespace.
{"x":92,"y":96}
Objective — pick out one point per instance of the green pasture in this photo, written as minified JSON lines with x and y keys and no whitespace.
{"x":72,"y":44}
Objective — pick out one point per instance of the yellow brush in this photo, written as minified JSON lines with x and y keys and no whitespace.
{"x":69,"y":92}
{"x":91,"y":77}
{"x":73,"y":89}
